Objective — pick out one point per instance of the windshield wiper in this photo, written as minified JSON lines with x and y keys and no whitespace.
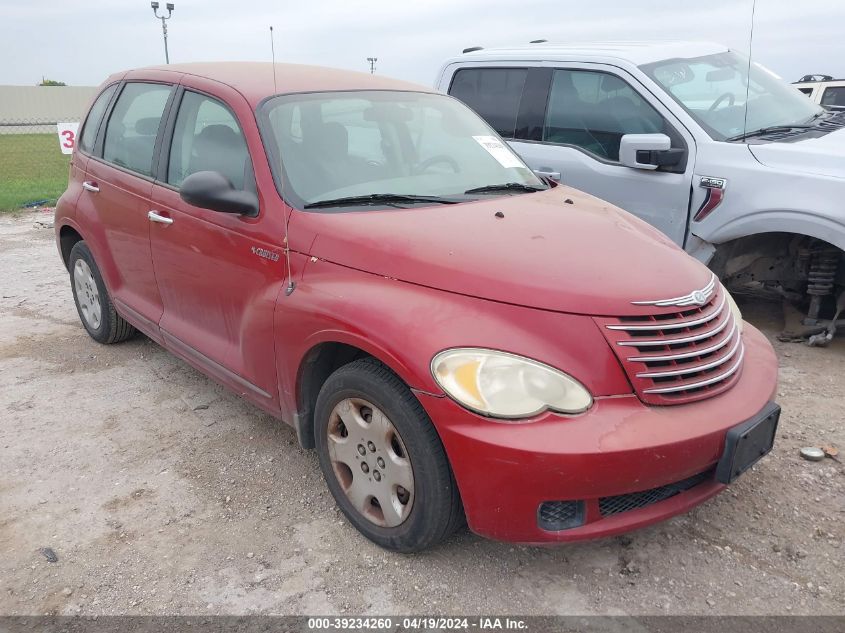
{"x":767,"y":130}
{"x":508,"y":186}
{"x":378,"y":198}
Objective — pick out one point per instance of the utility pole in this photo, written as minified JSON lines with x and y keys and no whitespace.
{"x":169,"y":6}
{"x":372,"y":61}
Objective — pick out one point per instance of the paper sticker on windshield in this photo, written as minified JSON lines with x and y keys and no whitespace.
{"x":497,"y":150}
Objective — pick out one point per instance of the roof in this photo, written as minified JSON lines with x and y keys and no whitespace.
{"x":255,"y":79}
{"x":637,"y":53}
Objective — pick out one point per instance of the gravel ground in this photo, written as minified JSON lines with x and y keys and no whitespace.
{"x":161,"y":493}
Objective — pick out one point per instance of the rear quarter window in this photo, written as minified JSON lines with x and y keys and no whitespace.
{"x":494,"y":94}
{"x":94,"y":118}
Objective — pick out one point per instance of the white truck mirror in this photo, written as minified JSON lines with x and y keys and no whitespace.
{"x":635,"y":150}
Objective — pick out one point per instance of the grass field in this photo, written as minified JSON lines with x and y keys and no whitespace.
{"x":32,"y":168}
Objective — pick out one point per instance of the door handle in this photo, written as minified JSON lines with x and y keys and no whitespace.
{"x":90,"y":186}
{"x":554,"y":175}
{"x":155,"y":217}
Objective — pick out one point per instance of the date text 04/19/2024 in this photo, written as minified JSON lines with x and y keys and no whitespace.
{"x":418,"y":623}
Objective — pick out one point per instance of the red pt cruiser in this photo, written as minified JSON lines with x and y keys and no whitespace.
{"x":366,"y":260}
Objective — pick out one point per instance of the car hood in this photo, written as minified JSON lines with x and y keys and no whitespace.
{"x":824,"y":155}
{"x":582,"y":256}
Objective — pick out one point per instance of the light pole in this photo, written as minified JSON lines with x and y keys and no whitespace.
{"x":163,"y":19}
{"x":372,"y":61}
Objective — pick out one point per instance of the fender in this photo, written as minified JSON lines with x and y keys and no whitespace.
{"x":90,"y":240}
{"x":780,"y":221}
{"x":62,"y":222}
{"x":365,"y":343}
{"x":335,"y":304}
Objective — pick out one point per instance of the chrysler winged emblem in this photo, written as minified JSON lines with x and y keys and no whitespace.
{"x":695,"y":298}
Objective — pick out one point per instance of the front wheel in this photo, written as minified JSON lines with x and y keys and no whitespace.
{"x":383,"y":460}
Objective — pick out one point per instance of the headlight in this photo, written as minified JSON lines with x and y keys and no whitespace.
{"x":734,"y":310}
{"x":503,"y":385}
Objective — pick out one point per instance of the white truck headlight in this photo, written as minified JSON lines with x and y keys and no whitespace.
{"x":503,"y":385}
{"x":734,"y":310}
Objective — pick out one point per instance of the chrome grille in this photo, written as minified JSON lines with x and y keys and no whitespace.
{"x":676,"y":354}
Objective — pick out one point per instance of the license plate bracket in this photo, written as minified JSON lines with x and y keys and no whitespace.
{"x":747,"y":443}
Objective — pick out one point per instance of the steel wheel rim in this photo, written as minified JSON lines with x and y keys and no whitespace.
{"x":370,"y":462}
{"x":87,"y":294}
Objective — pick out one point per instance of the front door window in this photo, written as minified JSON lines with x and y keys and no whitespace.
{"x":593,"y":110}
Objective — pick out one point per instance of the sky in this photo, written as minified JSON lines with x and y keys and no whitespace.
{"x":82,"y":42}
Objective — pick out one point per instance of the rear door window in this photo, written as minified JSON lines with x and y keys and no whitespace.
{"x":834,"y":97}
{"x":133,"y":126}
{"x":92,"y":121}
{"x":494,"y":93}
{"x":593,"y":110}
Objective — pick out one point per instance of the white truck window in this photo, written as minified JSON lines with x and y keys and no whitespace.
{"x":593,"y":110}
{"x":494,"y":94}
{"x":713,"y":88}
{"x":834,"y":97}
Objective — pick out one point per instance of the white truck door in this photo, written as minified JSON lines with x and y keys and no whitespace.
{"x":590,"y":107}
{"x":567,"y":121}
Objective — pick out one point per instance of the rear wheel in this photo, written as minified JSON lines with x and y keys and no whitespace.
{"x":383,"y":460}
{"x":96,"y":311}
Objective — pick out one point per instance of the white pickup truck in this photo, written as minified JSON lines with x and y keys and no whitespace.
{"x":662,"y":130}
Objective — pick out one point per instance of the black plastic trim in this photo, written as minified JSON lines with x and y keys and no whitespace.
{"x":632,"y":501}
{"x":579,"y":516}
{"x":163,"y":127}
{"x":531,"y":115}
{"x":737,"y":444}
{"x":161,"y":153}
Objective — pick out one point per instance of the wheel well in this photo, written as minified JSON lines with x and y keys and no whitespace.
{"x":769,"y":259}
{"x":67,"y":238}
{"x":319,"y":363}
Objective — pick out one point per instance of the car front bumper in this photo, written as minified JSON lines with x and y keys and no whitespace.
{"x":599,"y":460}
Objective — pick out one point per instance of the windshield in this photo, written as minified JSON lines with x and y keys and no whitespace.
{"x":372,"y":144}
{"x":713,"y":88}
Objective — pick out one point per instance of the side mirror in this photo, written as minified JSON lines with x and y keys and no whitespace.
{"x":212,"y":190}
{"x":648,"y":151}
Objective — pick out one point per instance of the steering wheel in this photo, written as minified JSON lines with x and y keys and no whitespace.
{"x":718,"y":102}
{"x":434,"y":160}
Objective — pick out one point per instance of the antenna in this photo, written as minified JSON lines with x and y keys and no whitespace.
{"x":748,"y":72}
{"x":273,"y":58}
{"x":291,"y":284}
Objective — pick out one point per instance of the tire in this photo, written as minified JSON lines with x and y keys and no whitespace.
{"x":93,"y":303}
{"x":432,"y":507}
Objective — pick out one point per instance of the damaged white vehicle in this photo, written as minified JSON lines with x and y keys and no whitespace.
{"x":747,"y":176}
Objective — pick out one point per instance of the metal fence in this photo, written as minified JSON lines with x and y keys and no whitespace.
{"x":33,"y":169}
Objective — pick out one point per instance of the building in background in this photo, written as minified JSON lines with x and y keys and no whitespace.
{"x":37,"y":109}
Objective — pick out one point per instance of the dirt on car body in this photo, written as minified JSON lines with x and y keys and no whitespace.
{"x":161,"y":493}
